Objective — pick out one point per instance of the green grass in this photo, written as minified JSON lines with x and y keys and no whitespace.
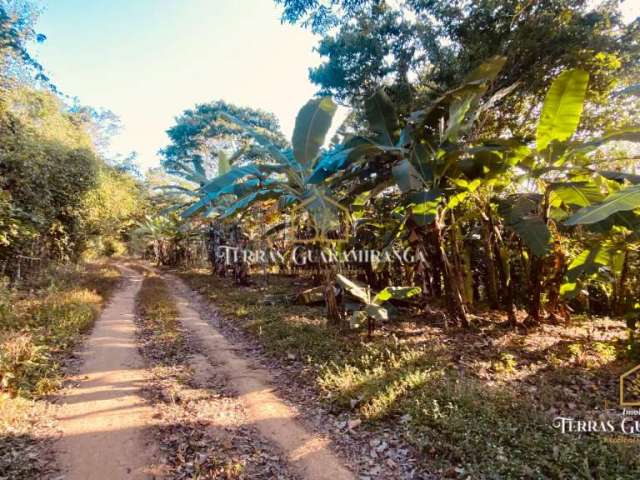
{"x":456,"y":421}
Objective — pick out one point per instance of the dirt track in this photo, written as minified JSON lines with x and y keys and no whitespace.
{"x":308,"y":453}
{"x":104,"y":419}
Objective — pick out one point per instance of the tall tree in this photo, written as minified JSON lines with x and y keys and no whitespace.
{"x":200,"y":135}
{"x":424,"y":47}
{"x":17,"y":20}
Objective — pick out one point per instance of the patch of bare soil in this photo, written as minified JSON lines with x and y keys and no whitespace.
{"x":201,"y":429}
{"x":308,"y":452}
{"x":103,"y":417}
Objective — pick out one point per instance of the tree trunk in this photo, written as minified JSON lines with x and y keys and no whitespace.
{"x":535,"y":295}
{"x":505,"y":270}
{"x":468,"y":276}
{"x":458,"y":263}
{"x":537,"y":270}
{"x":333,"y":310}
{"x":492,"y":281}
{"x":553,"y":292}
{"x":240,"y":265}
{"x":436,"y":274}
{"x":455,"y":302}
{"x":619,"y":300}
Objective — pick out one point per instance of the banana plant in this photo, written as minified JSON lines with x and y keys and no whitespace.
{"x":559,"y":175}
{"x":623,"y":200}
{"x":421,"y":155}
{"x":432,"y":176}
{"x":162,"y":234}
{"x":278,"y":173}
{"x":289,"y":170}
{"x":372,"y":304}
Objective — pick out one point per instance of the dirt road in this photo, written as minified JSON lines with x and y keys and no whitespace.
{"x":308,"y":453}
{"x":103,"y":419}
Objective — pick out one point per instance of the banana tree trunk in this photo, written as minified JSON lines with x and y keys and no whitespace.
{"x":455,"y":303}
{"x":621,"y":287}
{"x":553,"y":293}
{"x":467,"y":273}
{"x":536,"y":275}
{"x":491,"y":278}
{"x":506,"y":278}
{"x":331,"y":302}
{"x":240,"y":265}
{"x":535,"y":295}
{"x":157,"y":252}
{"x":460,"y":264}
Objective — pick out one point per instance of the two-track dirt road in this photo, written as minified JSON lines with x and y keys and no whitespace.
{"x":104,"y":419}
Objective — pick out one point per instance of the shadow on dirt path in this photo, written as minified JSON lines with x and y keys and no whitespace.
{"x":308,"y":453}
{"x":102,"y":415}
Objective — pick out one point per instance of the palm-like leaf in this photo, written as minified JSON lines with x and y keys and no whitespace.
{"x":620,"y":201}
{"x":382,"y":117}
{"x":562,"y":108}
{"x":312,"y":124}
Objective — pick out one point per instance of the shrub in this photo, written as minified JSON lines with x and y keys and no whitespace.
{"x":22,"y":363}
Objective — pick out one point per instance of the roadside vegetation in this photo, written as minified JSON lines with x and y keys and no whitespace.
{"x":40,"y":324}
{"x":43,"y":324}
{"x":64,"y":208}
{"x":472,"y":407}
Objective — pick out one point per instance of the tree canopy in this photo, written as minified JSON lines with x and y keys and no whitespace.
{"x":201,"y":134}
{"x":422,"y":48}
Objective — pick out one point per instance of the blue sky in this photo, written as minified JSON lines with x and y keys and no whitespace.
{"x":148,"y":60}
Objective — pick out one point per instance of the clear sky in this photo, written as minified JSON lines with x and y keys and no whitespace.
{"x":148,"y":60}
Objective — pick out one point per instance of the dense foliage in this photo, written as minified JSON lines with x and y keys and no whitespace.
{"x":485,"y":214}
{"x":423,"y":48}
{"x":59,"y":196}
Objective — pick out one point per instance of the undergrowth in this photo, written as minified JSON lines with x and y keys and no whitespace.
{"x":464,"y":427}
{"x":40,"y":323}
{"x":44,"y":322}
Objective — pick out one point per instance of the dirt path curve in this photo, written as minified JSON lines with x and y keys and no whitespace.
{"x":307,"y":452}
{"x":103,"y":419}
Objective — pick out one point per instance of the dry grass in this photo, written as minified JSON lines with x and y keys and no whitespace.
{"x":44,"y":324}
{"x":40,"y":323}
{"x":478,"y":403}
{"x":157,"y":311}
